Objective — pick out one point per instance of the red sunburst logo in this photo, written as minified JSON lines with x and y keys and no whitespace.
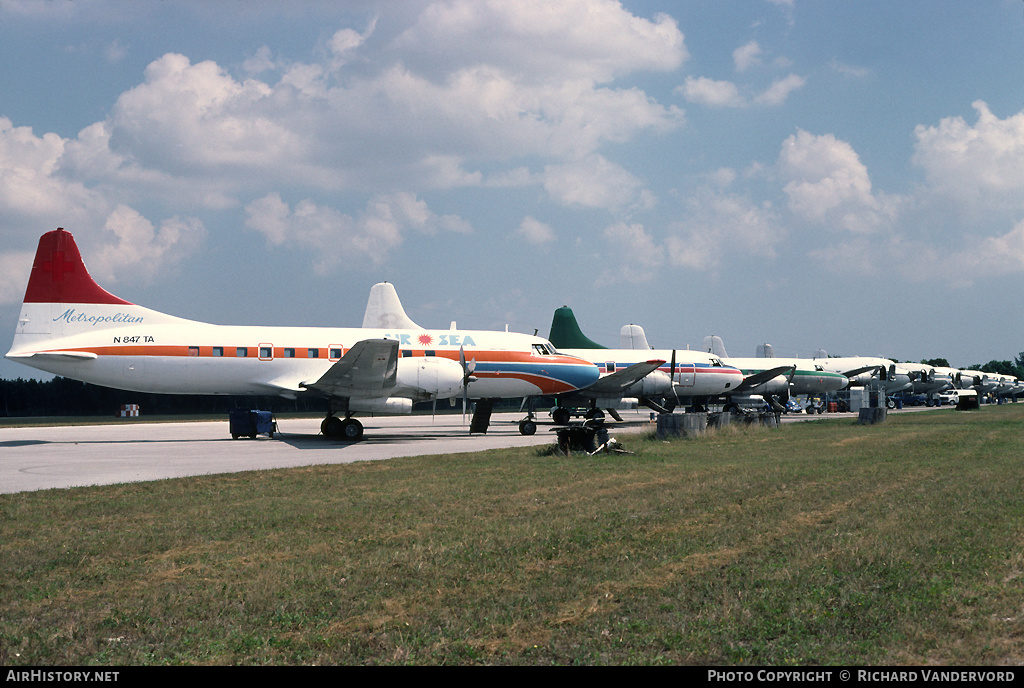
{"x":425,"y":339}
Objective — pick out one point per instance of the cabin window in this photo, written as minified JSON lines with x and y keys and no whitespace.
{"x":193,"y":351}
{"x":242,"y":352}
{"x":312,"y":353}
{"x":218,"y":351}
{"x":266,"y":352}
{"x":406,"y":353}
{"x":429,"y":353}
{"x":609,"y":367}
{"x":335,"y":353}
{"x":289,"y":353}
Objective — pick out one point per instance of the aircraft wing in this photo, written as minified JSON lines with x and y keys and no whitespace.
{"x":368,"y":369}
{"x":620,"y":380}
{"x":751,"y":381}
{"x":860,"y":371}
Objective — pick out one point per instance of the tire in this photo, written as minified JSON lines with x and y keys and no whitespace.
{"x":527,"y":427}
{"x":352,"y":430}
{"x":560,"y":416}
{"x":332,"y":427}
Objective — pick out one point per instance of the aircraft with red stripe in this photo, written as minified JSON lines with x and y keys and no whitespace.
{"x":71,"y":326}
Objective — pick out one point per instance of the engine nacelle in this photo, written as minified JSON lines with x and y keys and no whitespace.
{"x":430,"y":377}
{"x":655,"y":384}
{"x":392,"y":405}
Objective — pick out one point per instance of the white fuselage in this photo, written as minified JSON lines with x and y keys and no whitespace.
{"x":696,"y":374}
{"x":135,"y":348}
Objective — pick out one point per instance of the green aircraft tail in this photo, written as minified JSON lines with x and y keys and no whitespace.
{"x":566,"y":333}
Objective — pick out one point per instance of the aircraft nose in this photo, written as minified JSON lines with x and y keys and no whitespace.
{"x":580,"y":372}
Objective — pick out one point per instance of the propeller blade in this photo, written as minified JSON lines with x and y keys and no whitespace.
{"x":672,"y":376}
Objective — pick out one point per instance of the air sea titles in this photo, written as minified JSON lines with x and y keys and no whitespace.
{"x":425,"y":340}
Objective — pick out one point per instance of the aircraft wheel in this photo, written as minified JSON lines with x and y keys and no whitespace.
{"x":890,"y":403}
{"x":560,"y":416}
{"x":527,"y":427}
{"x":331,"y":427}
{"x":352,"y":430}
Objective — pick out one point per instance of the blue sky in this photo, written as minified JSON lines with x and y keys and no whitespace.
{"x":837,"y":175}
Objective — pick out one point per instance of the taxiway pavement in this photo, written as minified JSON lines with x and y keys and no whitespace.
{"x":47,"y":457}
{"x":38,"y":458}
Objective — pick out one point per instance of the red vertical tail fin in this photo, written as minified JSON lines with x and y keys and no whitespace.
{"x":59,"y":274}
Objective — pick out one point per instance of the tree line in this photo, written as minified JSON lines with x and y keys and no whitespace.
{"x":63,"y":396}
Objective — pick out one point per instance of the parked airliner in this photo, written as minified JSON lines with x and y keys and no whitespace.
{"x":71,"y":326}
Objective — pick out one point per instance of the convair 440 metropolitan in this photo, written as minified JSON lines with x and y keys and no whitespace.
{"x":71,"y":326}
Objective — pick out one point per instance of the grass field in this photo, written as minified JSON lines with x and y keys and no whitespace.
{"x":819,"y":543}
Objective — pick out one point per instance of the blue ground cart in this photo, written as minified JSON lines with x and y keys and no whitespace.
{"x":249,"y":423}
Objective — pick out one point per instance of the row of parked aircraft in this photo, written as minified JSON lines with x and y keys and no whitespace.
{"x":71,"y":326}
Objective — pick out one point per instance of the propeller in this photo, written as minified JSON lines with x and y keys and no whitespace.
{"x":467,"y":377}
{"x":672,"y":377}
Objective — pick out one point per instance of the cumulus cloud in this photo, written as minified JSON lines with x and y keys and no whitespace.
{"x":721,"y":224}
{"x":333,"y":236}
{"x":139,"y":252}
{"x":976,"y":164}
{"x":829,"y":185}
{"x":633,"y":255}
{"x":713,"y":93}
{"x":595,"y":182}
{"x":32,"y":193}
{"x":1000,"y":255}
{"x":15,"y":267}
{"x":746,"y":56}
{"x":464,"y":94}
{"x":780,"y":89}
{"x":571,"y":40}
{"x":535,"y":232}
{"x":513,"y":80}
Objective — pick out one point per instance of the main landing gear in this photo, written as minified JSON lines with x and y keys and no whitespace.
{"x":343,"y":429}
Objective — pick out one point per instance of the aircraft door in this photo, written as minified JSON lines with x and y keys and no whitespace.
{"x":685,"y":377}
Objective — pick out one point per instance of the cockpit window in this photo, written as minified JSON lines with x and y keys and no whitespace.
{"x":544,"y":349}
{"x":716,"y":362}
